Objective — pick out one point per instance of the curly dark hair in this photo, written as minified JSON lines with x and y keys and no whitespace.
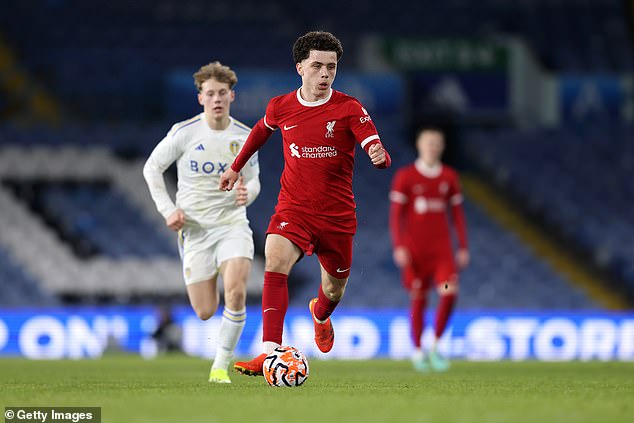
{"x":316,"y":40}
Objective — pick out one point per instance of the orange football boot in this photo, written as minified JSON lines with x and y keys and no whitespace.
{"x":324,"y":333}
{"x":251,"y":368}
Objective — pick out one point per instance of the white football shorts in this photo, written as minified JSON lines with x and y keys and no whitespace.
{"x":203,"y":250}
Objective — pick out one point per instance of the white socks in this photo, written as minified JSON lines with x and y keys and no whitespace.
{"x":228,"y":336}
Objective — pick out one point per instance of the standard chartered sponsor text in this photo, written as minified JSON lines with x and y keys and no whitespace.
{"x":321,"y":152}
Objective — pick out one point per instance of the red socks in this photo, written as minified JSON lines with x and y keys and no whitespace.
{"x":417,"y":319}
{"x":445,"y":307}
{"x":274,"y":306}
{"x":323,"y":308}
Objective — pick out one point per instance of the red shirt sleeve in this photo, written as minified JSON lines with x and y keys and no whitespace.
{"x":270,"y":119}
{"x":364,"y":130}
{"x":256,"y":139}
{"x":398,"y":204}
{"x":258,"y":136}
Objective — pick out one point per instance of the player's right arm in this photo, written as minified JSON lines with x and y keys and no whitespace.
{"x":176,"y":220}
{"x":398,"y":202}
{"x":164,"y":154}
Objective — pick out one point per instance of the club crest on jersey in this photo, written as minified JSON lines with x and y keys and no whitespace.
{"x":234,"y":146}
{"x":330,"y":129}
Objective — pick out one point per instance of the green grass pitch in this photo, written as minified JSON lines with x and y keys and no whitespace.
{"x":174,"y":389}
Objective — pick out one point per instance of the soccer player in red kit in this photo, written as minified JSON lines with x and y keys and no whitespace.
{"x":421,"y":195}
{"x":315,"y":212}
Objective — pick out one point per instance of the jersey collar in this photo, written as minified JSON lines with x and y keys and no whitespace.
{"x":428,"y":171}
{"x":313,"y":103}
{"x":204,"y":119}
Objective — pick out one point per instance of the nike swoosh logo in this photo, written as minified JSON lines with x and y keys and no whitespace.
{"x":286,"y":128}
{"x":269,"y":309}
{"x":342,"y":271}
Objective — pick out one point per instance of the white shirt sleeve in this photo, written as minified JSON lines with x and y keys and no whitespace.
{"x":251,"y":173}
{"x":165,"y":153}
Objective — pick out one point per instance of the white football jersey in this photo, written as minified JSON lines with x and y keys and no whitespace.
{"x":202,"y":154}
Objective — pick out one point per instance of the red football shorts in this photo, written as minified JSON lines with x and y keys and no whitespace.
{"x":330,"y":240}
{"x":423,"y":271}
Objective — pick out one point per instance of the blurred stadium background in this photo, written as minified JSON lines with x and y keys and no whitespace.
{"x":537,"y":97}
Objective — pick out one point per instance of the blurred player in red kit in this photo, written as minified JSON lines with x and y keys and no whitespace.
{"x":421,"y":195}
{"x":315,"y":212}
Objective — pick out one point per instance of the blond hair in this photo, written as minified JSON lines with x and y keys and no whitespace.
{"x":217,"y":71}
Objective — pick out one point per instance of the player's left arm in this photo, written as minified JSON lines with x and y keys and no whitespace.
{"x":379,"y":156}
{"x":367,"y":135}
{"x":456,"y":201}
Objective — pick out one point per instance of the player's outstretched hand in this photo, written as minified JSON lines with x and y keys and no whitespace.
{"x":228,"y":179}
{"x":176,"y":220}
{"x":242,"y":193}
{"x":377,"y":154}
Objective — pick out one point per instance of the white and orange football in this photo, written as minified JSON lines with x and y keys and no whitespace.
{"x":285,"y":366}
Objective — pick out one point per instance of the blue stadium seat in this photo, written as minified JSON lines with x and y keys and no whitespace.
{"x":104,"y":218}
{"x":579,"y":187}
{"x":17,"y":288}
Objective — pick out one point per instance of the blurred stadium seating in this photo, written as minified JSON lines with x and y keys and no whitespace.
{"x":573,"y":178}
{"x":23,"y":289}
{"x":76,"y":192}
{"x":84,"y":57}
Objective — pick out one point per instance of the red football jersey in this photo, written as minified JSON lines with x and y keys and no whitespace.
{"x":421,"y":197}
{"x":319,"y":140}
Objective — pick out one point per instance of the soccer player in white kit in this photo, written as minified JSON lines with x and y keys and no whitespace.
{"x":213,"y":231}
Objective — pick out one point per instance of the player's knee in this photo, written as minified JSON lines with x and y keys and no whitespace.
{"x":235,"y":299}
{"x":277,"y":263}
{"x":447,"y":288}
{"x":205,"y":313}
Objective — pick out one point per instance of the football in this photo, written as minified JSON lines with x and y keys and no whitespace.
{"x":286,"y":366}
